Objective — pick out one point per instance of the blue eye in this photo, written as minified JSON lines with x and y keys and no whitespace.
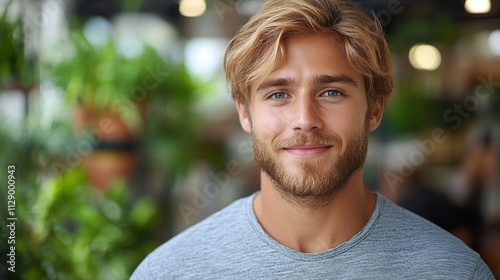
{"x":278,"y":95}
{"x":332,"y":93}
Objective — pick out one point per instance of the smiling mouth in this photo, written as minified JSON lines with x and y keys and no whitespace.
{"x":307,"y":150}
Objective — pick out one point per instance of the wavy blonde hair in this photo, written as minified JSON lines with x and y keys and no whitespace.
{"x":258,"y":48}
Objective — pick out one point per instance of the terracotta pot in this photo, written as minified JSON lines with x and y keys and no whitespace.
{"x":105,"y":167}
{"x":105,"y":124}
{"x":113,"y":157}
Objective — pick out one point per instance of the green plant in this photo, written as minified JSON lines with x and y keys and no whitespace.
{"x":99,"y":76}
{"x":417,"y":30}
{"x":13,"y":69}
{"x":411,"y":109}
{"x":64,"y":229}
{"x":83,"y":235}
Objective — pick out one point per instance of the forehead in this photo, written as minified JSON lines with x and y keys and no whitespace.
{"x":309,"y":56}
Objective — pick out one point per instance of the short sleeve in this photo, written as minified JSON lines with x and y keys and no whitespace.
{"x":482,"y":271}
{"x":142,"y":271}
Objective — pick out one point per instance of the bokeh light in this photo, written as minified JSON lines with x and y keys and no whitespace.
{"x":425,"y":57}
{"x":494,"y":42}
{"x":478,"y":6}
{"x":192,"y":8}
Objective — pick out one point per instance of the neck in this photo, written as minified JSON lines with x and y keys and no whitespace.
{"x":311,"y":230}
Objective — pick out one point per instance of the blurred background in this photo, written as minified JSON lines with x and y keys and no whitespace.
{"x":117,"y":119}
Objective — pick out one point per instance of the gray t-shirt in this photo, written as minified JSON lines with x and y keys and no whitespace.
{"x":394,"y":244}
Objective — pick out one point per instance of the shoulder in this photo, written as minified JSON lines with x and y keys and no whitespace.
{"x":408,"y":224}
{"x":198,"y":243}
{"x":422,"y":244}
{"x":402,"y":225}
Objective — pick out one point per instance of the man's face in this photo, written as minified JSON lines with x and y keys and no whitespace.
{"x":309,"y":120}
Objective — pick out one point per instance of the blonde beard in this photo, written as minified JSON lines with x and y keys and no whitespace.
{"x":311,"y":187}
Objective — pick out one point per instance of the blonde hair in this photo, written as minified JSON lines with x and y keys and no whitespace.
{"x":258,"y":48}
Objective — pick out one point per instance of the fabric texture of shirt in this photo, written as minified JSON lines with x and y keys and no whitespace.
{"x":394,"y":244}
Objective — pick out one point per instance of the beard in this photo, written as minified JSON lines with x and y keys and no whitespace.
{"x":318,"y":180}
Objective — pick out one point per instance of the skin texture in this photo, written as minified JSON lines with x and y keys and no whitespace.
{"x":309,"y":123}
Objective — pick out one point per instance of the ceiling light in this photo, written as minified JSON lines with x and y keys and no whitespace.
{"x":192,"y":8}
{"x":478,"y":6}
{"x":425,"y":57}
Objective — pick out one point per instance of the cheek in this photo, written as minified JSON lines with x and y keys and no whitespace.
{"x":358,"y":114}
{"x":267,"y":124}
{"x":348,"y":123}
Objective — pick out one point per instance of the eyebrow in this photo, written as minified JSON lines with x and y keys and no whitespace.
{"x":341,"y":78}
{"x":275,"y":83}
{"x":320,"y":79}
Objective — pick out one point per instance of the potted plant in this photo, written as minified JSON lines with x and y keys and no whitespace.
{"x":110,"y":93}
{"x":63,"y":228}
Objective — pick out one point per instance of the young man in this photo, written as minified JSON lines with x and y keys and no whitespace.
{"x":310,"y":78}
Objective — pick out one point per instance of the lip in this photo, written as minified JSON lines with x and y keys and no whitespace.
{"x":307,"y":150}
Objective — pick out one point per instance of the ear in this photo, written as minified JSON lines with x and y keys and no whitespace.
{"x":243,"y":114}
{"x":376,"y":114}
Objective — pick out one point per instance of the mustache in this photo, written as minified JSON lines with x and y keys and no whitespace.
{"x":308,"y":138}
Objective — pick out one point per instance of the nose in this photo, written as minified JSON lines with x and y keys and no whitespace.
{"x":306,"y":114}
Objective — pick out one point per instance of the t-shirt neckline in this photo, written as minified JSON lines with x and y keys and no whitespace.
{"x":330,"y":253}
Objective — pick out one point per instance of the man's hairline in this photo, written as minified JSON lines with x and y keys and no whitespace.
{"x":260,"y":79}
